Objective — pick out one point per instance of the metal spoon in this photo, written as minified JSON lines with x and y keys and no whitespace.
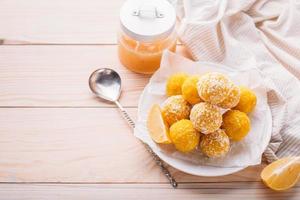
{"x":106,"y":84}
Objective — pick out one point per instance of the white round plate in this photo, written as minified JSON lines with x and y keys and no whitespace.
{"x":195,"y":169}
{"x":242,"y":154}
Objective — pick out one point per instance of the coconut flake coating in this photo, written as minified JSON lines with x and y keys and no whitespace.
{"x":215,"y":144}
{"x":175,"y":108}
{"x":232,"y":99}
{"x":214,"y":87}
{"x":206,"y":117}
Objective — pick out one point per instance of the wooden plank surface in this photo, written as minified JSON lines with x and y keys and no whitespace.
{"x":57,"y":75}
{"x":59,"y":21}
{"x":212,"y":191}
{"x":56,"y":139}
{"x":81,"y":145}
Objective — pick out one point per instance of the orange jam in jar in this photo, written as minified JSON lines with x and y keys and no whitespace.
{"x":147,"y":29}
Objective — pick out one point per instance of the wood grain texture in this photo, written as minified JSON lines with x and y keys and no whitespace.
{"x":59,"y":142}
{"x":58,"y":75}
{"x":81,"y":145}
{"x":212,"y":191}
{"x":59,"y":21}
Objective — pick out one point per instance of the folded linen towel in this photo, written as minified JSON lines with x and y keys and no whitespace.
{"x":259,"y":33}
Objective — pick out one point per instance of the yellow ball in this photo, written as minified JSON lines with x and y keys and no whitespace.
{"x":215,"y":144}
{"x":206,"y":117}
{"x":189,"y":90}
{"x":247,"y":101}
{"x":236,"y":124}
{"x":174,"y":84}
{"x":175,"y":108}
{"x":232,"y":99}
{"x":214,"y":87}
{"x":184,"y":136}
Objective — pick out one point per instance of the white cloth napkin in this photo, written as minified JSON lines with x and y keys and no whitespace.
{"x":259,"y":33}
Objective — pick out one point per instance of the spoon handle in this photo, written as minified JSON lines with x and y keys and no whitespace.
{"x":158,"y":161}
{"x":126,"y":115}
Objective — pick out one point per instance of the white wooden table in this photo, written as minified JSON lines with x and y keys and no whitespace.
{"x":59,"y":142}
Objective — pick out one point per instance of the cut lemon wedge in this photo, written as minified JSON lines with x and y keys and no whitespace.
{"x":282,"y":174}
{"x":158,"y":129}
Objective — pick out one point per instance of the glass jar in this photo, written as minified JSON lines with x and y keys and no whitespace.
{"x":147,"y":29}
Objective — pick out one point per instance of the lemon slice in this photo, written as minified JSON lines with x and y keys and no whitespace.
{"x":282,"y":174}
{"x":158,"y":129}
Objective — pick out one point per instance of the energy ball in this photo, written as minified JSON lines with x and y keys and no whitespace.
{"x":247,"y":101}
{"x":206,"y":117}
{"x":175,"y":108}
{"x":189,"y":90}
{"x":232,"y":99}
{"x":214,"y":87}
{"x":174,"y":84}
{"x":236,"y":124}
{"x":215,"y":144}
{"x":184,"y":136}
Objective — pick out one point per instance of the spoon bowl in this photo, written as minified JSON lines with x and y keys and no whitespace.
{"x":106,"y":84}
